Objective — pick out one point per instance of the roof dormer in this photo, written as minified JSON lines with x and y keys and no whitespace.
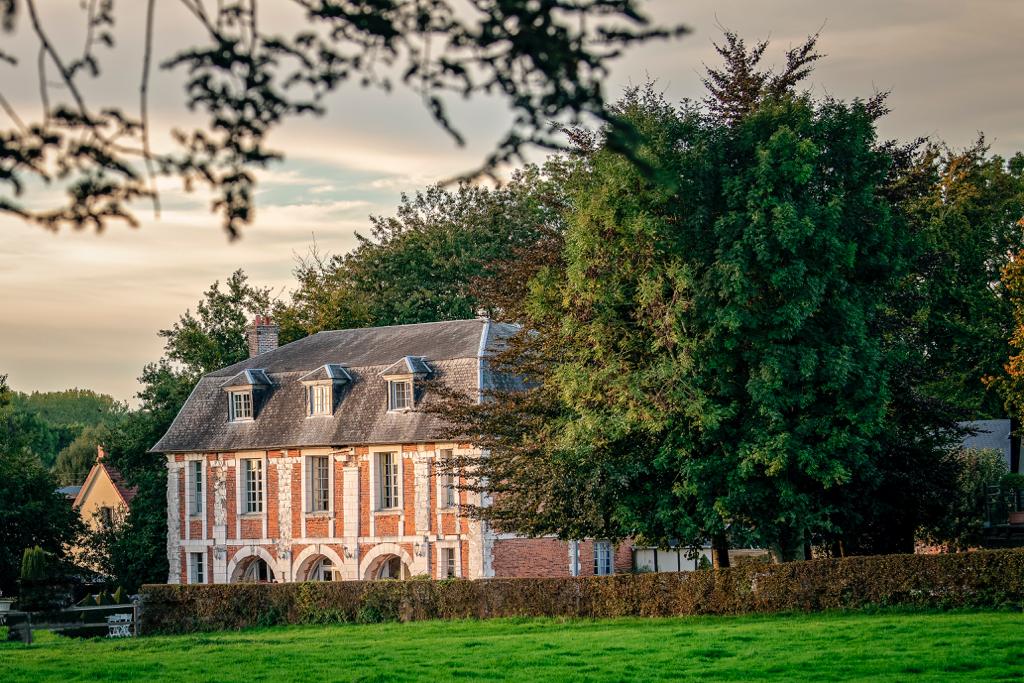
{"x":408,"y":366}
{"x":320,"y":384}
{"x":243,"y":390}
{"x":401,"y":379}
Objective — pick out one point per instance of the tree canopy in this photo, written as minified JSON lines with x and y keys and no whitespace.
{"x":743,"y":345}
{"x":31,"y":512}
{"x":425,"y":263}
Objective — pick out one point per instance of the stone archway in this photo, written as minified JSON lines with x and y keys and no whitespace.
{"x":254,"y":563}
{"x":385,"y":560}
{"x":316,"y":557}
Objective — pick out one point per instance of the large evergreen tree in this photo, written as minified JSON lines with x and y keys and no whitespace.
{"x":706,"y":362}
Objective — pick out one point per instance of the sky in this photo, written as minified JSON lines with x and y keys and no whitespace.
{"x":80,"y":309}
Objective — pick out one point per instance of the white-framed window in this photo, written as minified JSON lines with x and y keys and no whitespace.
{"x":318,"y":399}
{"x":449,"y":493}
{"x":197,"y":568}
{"x":323,"y":570}
{"x":399,"y":394}
{"x":603,"y":558}
{"x":318,"y":493}
{"x":196,"y":472}
{"x":448,"y":562}
{"x":387,"y":480}
{"x":240,"y":405}
{"x":252,"y":479}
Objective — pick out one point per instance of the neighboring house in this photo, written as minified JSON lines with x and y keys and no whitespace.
{"x":70,"y":493}
{"x":104,"y":496}
{"x":314,"y":461}
{"x":996,"y":435}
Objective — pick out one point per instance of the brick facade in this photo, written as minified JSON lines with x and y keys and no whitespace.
{"x":358,"y":540}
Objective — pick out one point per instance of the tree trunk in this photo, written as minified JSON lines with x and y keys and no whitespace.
{"x":789,"y":546}
{"x":719,"y":551}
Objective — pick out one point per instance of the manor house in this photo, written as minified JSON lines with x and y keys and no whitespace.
{"x":314,"y":461}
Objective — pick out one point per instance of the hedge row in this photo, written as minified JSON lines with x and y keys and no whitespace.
{"x":976,"y":579}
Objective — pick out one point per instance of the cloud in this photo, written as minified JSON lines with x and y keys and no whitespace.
{"x":80,"y":309}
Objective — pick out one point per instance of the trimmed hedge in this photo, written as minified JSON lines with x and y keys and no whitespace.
{"x":975,"y":579}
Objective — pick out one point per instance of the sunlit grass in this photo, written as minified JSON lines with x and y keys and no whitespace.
{"x":884,"y":646}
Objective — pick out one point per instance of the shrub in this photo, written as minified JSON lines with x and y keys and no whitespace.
{"x":34,"y":564}
{"x":44,"y":583}
{"x":976,"y":579}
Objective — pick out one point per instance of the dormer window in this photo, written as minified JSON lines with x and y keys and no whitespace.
{"x":242,"y":393}
{"x":240,"y":405}
{"x":401,"y":377}
{"x":320,"y":387}
{"x":400,"y":393}
{"x":318,"y":397}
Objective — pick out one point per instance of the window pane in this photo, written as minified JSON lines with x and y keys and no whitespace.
{"x":197,"y":487}
{"x":602,"y":558}
{"x":253,"y":485}
{"x":241,"y":405}
{"x":401,"y":395}
{"x":198,"y":570}
{"x":387,"y":473}
{"x":449,"y":562}
{"x":448,"y":491}
{"x":319,"y":484}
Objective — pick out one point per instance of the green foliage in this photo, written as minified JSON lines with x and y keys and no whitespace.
{"x":45,"y":423}
{"x":425,"y":263}
{"x":72,"y":406}
{"x":706,"y":352}
{"x":35,"y":564}
{"x":967,"y":217}
{"x":31,"y":513}
{"x":74,"y":461}
{"x":214,"y":336}
{"x":977,"y":579}
{"x":44,"y":581}
{"x":248,"y":73}
{"x":963,"y":525}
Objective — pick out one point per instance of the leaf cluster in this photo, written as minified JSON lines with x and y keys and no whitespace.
{"x":547,"y":59}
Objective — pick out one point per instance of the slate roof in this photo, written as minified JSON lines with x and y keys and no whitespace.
{"x":252,"y":378}
{"x":988,"y":435}
{"x":409,"y":365}
{"x":454,"y":351}
{"x":69,"y":492}
{"x":328,"y":371}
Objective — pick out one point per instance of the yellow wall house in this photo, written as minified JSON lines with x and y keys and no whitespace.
{"x":104,"y":496}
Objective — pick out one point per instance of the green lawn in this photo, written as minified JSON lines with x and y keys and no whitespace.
{"x":883,"y":646}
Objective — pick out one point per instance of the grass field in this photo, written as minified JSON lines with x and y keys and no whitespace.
{"x":882,"y":646}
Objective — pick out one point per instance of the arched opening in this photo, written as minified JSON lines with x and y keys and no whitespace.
{"x":388,"y":567}
{"x":322,"y":569}
{"x":254,"y":570}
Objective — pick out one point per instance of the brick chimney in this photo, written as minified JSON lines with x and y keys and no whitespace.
{"x":261,"y":335}
{"x":101,"y":454}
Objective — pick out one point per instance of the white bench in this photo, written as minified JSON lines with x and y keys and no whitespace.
{"x":119,"y":625}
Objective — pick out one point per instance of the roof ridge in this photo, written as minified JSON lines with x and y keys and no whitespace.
{"x":386,"y":327}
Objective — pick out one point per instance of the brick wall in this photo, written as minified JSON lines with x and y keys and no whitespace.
{"x":284,"y":539}
{"x":546,"y":557}
{"x":531,"y":557}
